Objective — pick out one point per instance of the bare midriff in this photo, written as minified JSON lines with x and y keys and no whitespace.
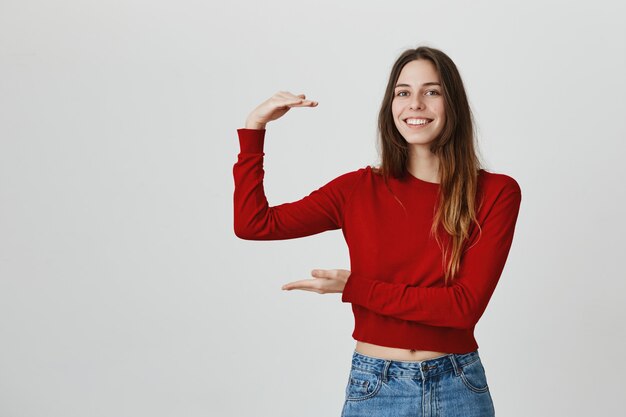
{"x":396,"y":354}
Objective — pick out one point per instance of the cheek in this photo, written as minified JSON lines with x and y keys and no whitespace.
{"x":396,"y":108}
{"x":441,"y":115}
{"x":441,"y":110}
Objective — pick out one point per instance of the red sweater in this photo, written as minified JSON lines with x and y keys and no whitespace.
{"x":396,"y":285}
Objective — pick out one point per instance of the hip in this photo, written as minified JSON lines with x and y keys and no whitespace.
{"x":452,"y":385}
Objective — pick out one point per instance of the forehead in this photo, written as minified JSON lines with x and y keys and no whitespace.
{"x":418,"y":72}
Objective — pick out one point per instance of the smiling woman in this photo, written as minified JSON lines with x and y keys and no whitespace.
{"x":428,"y":230}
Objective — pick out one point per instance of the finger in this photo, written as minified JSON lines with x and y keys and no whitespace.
{"x":315,"y":290}
{"x":288,"y":95}
{"x":304,"y":102}
{"x":293,"y":100}
{"x":324,"y":273}
{"x":302,"y":284}
{"x":307,"y":102}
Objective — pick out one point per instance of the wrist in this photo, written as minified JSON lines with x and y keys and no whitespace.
{"x":250,"y":124}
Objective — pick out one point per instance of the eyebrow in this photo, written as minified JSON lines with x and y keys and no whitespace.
{"x":423,"y":85}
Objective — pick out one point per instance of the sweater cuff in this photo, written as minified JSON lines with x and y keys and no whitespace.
{"x":357,"y":290}
{"x":251,"y":140}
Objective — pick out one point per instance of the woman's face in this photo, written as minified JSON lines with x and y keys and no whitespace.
{"x":418,"y":96}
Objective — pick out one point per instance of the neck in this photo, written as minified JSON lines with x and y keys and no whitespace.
{"x":423,"y":164}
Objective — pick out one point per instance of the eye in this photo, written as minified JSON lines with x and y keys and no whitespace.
{"x":400,"y":92}
{"x":433,"y":91}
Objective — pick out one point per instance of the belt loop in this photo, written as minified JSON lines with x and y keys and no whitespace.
{"x":385,"y":368}
{"x":455,"y":364}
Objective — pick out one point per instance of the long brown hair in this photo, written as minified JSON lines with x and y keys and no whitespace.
{"x":459,"y":163}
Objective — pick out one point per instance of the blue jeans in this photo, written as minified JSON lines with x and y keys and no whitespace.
{"x":453,"y":385}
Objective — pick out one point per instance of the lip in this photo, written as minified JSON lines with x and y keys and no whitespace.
{"x":417,"y":117}
{"x":416,"y":127}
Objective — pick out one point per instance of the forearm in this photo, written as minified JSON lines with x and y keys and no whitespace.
{"x":460,"y":304}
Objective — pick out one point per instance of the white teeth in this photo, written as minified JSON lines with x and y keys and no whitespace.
{"x":417,"y":121}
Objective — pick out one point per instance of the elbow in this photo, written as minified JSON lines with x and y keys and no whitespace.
{"x":244,"y":233}
{"x":241,"y":235}
{"x":467,"y":320}
{"x":244,"y":226}
{"x":464,"y":322}
{"x":467,"y":311}
{"x":249,"y":232}
{"x":459,"y":322}
{"x":251,"y":226}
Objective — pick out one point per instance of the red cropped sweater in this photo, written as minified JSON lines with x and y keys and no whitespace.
{"x":396,"y":284}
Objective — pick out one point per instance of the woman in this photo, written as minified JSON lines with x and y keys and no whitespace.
{"x":428,"y":231}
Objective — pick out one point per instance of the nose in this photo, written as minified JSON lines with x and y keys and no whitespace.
{"x":416,"y":102}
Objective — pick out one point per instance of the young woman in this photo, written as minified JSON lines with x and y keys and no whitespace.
{"x":428,"y":233}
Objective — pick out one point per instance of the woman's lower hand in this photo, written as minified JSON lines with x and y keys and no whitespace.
{"x":325,"y":281}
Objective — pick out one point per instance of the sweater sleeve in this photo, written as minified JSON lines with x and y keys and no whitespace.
{"x":254,"y":219}
{"x":462,"y":303}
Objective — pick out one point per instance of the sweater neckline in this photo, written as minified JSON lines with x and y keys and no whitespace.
{"x":414,"y":179}
{"x":433,"y":185}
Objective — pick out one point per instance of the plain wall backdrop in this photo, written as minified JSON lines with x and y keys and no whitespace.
{"x":123,"y":289}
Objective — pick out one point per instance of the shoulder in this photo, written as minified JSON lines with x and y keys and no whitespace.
{"x":347,"y":181}
{"x":353,"y":176}
{"x":497,"y":183}
{"x":500,"y":192}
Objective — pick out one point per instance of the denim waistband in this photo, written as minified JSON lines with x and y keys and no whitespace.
{"x":411,"y":369}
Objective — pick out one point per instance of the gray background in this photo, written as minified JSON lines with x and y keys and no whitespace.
{"x":123,"y":289}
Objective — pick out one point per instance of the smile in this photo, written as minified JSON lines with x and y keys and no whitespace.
{"x":417,"y":123}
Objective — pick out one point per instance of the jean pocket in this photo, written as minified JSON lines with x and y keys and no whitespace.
{"x":362,"y":384}
{"x":473,"y":376}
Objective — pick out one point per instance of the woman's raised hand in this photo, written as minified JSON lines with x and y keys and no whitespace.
{"x":275,"y":107}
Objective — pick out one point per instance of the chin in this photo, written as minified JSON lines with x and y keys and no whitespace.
{"x":412,"y":137}
{"x":420,"y":142}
